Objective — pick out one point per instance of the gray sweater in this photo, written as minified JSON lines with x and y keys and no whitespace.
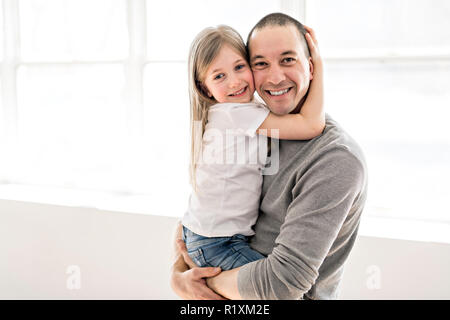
{"x":308,"y":220}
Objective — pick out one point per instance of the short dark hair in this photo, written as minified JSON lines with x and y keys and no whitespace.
{"x":281,"y":19}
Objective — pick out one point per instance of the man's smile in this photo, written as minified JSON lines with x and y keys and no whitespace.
{"x":278,"y":93}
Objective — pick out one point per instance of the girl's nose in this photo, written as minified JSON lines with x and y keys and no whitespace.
{"x":233,"y":82}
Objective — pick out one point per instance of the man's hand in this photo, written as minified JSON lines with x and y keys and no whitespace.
{"x":190,"y":284}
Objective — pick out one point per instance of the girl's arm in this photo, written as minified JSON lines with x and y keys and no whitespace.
{"x":310,"y":121}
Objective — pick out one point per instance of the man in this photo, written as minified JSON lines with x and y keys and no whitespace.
{"x":310,"y":209}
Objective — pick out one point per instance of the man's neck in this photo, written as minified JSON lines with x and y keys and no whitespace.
{"x":299,"y":106}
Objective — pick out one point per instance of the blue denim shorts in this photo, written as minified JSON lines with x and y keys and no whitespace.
{"x":224,"y":252}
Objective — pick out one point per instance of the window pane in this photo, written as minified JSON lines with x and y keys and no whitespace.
{"x":399,"y":114}
{"x":70,"y":126}
{"x":2,"y":119}
{"x":167,"y":134}
{"x":170,"y":31}
{"x":55,"y":30}
{"x":1,"y":33}
{"x":353,"y":25}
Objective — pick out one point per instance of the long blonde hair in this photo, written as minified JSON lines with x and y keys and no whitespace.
{"x":204,"y":49}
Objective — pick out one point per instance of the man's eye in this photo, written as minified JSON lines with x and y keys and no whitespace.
{"x":259,"y":64}
{"x":219,"y":76}
{"x":288,"y":60}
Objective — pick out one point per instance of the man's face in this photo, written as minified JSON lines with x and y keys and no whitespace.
{"x":280,"y":68}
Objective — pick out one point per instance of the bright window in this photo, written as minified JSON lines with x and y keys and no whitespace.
{"x":100,"y":101}
{"x":388,"y":85}
{"x":171,"y":30}
{"x":55,"y":30}
{"x":353,"y":27}
{"x":94,"y":93}
{"x":1,"y":34}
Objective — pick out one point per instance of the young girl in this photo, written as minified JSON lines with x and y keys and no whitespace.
{"x":224,"y":203}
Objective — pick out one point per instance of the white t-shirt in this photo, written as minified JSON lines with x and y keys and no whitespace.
{"x":229,"y":173}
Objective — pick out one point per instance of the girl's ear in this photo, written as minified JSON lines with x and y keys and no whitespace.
{"x":203,"y":89}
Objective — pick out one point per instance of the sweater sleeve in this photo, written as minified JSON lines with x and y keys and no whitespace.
{"x":322,"y":198}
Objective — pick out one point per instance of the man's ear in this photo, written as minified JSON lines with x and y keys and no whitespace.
{"x":311,"y":69}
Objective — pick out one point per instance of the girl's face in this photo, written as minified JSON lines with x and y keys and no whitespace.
{"x":229,"y":77}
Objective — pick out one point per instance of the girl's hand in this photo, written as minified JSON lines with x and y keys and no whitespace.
{"x":313,"y":45}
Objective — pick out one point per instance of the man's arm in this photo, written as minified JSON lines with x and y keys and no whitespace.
{"x":188,"y":281}
{"x":311,"y":226}
{"x":313,"y":230}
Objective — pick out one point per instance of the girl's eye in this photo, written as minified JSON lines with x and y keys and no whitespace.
{"x":219,"y":76}
{"x":240,"y":66}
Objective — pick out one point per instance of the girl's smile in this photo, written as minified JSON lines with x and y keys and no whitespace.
{"x":240,"y":92}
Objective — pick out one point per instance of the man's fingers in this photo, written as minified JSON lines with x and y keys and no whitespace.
{"x":205,"y":272}
{"x":203,"y":292}
{"x":181,"y":245}
{"x":182,"y":248}
{"x":198,"y":275}
{"x":188,"y":260}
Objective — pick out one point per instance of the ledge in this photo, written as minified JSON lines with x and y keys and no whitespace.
{"x":371,"y":225}
{"x":147,"y":204}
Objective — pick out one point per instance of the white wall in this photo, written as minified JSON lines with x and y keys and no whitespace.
{"x":121,"y":256}
{"x":127,"y":256}
{"x":403,"y":270}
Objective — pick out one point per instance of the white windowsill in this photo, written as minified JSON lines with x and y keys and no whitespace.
{"x":371,"y":226}
{"x":101,"y":200}
{"x":403,"y":229}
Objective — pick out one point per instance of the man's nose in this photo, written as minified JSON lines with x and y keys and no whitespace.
{"x":275,"y":75}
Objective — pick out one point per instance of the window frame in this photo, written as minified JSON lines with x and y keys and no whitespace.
{"x":137,"y":60}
